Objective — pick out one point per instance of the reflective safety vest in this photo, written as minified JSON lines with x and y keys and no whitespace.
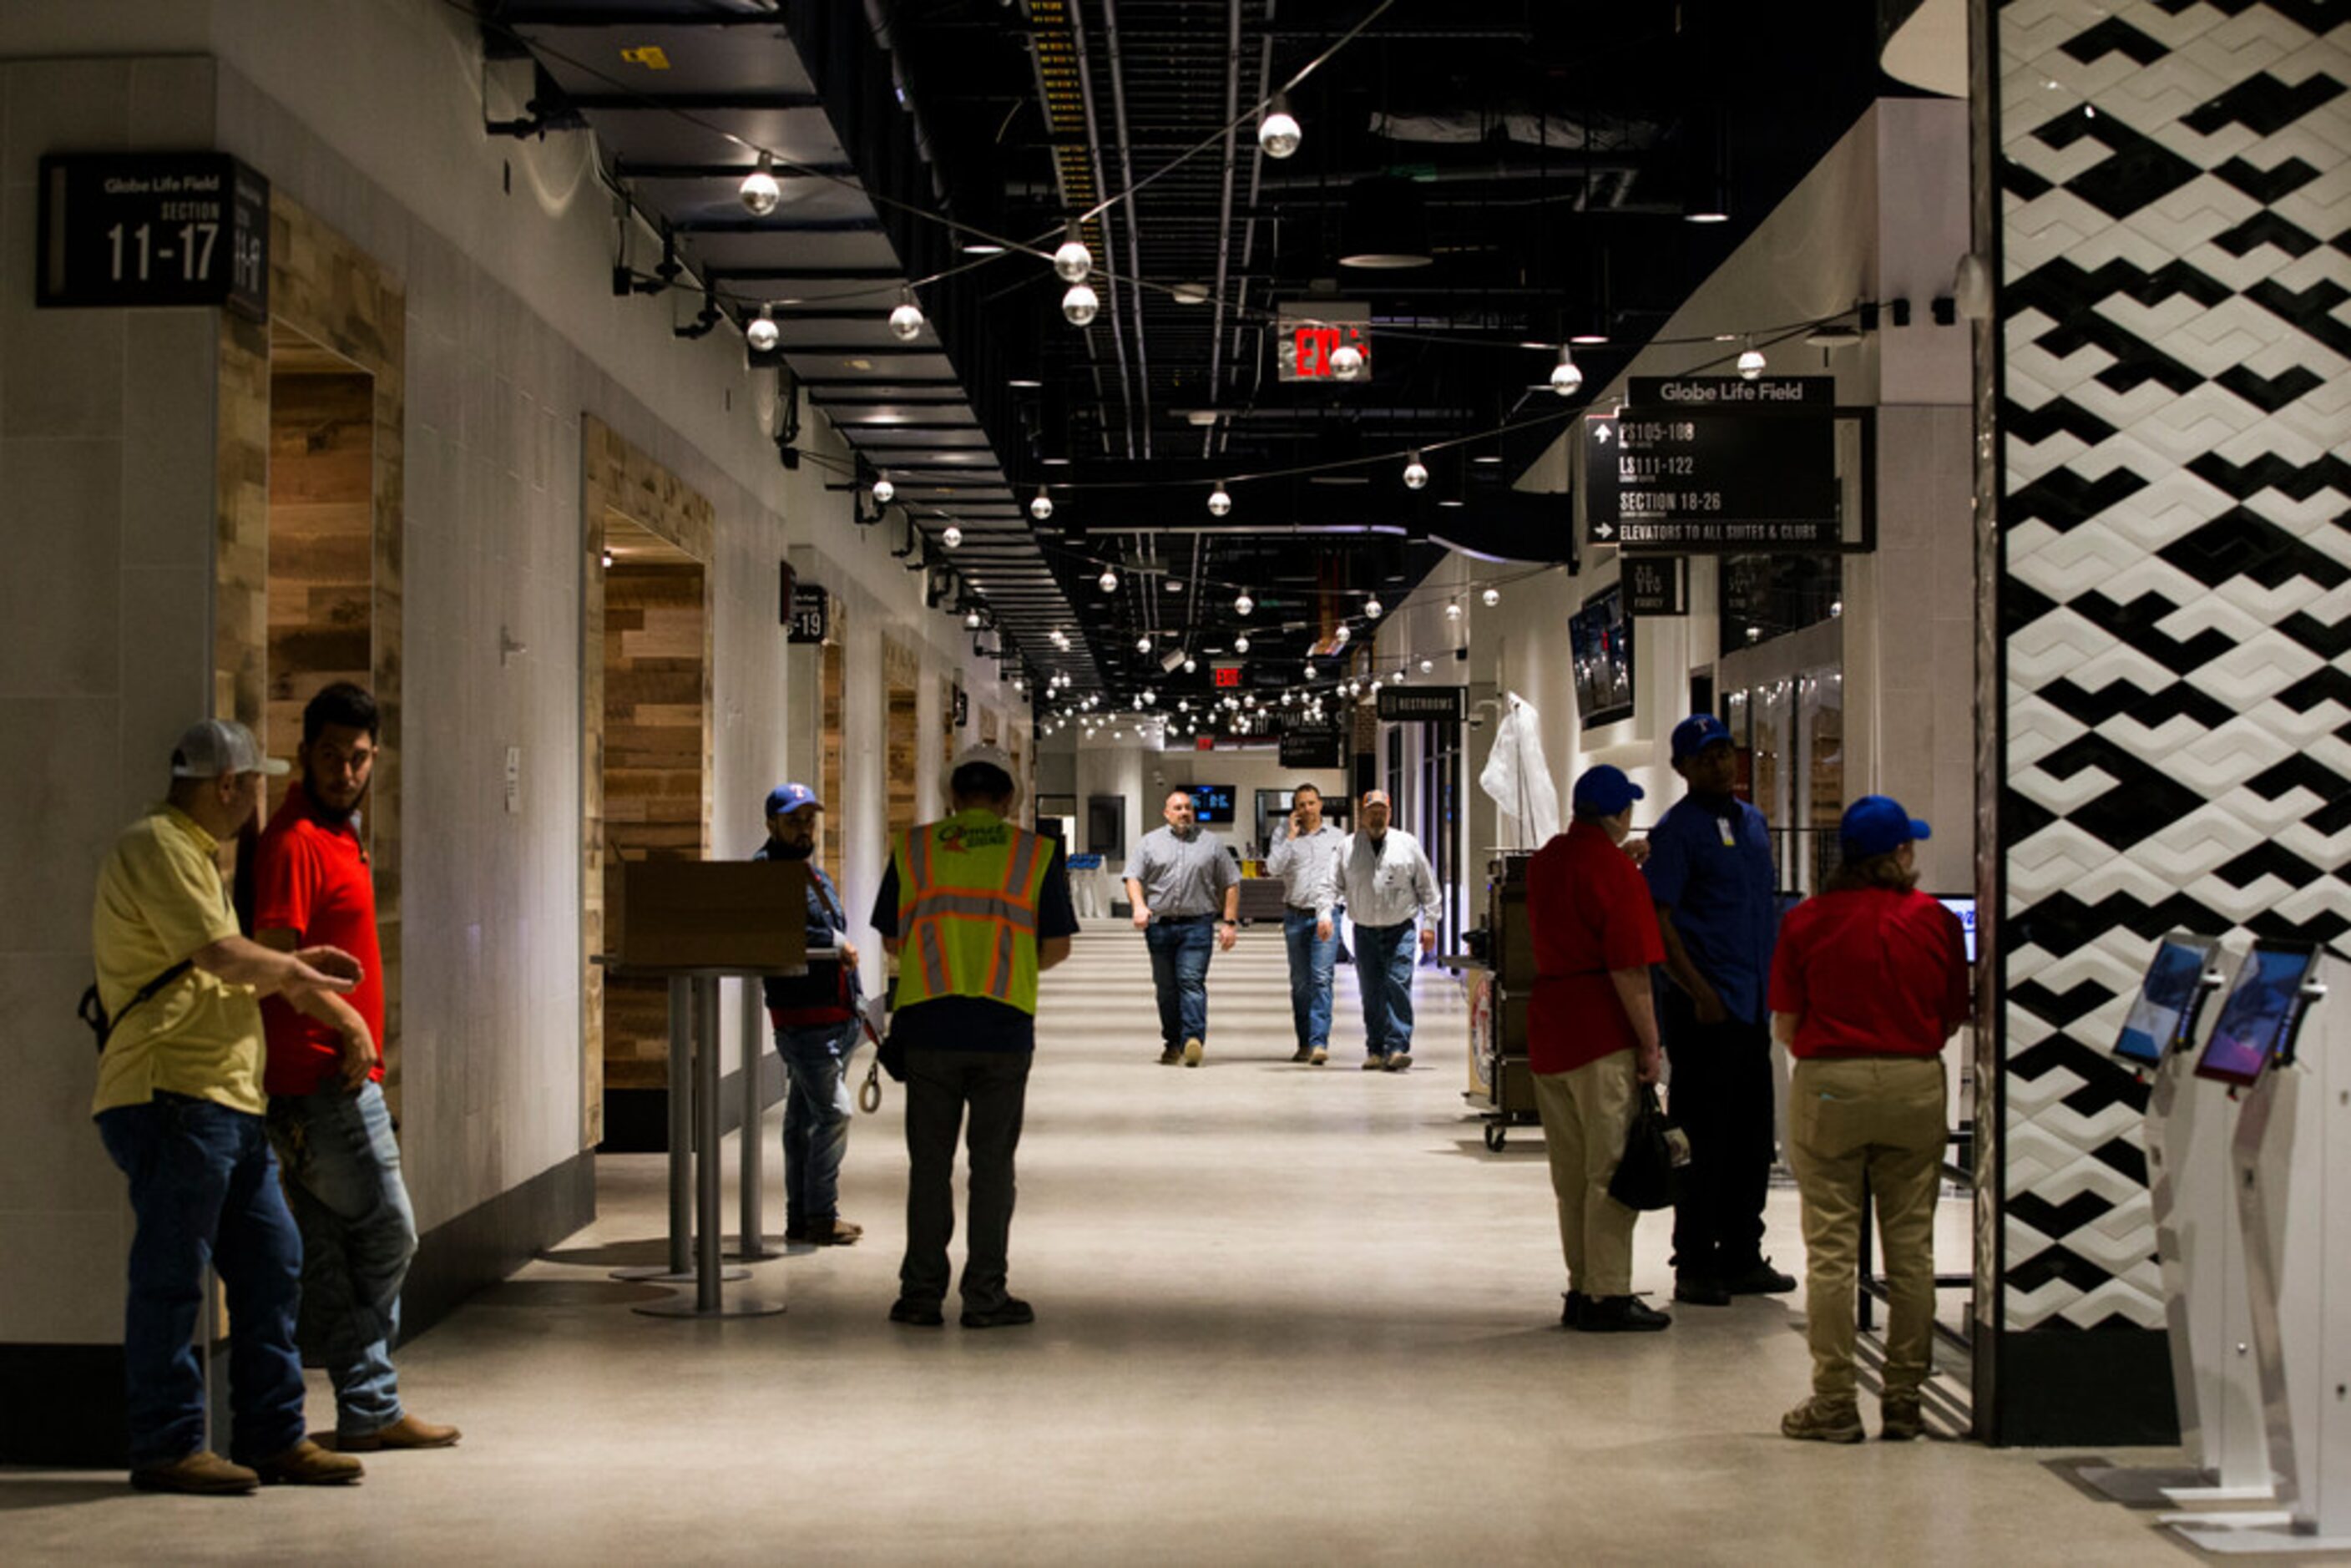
{"x":967,"y":893}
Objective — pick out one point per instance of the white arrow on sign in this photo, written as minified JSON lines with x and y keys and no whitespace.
{"x":1603,"y":530}
{"x":1606,"y":430}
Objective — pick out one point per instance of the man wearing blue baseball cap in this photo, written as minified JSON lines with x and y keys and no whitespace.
{"x":815,"y":1018}
{"x":1591,"y":1040}
{"x":1711,"y":874}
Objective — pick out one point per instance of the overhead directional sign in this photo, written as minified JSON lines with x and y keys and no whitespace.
{"x":1656,"y":585}
{"x":1443,"y":705}
{"x":1716,"y":464}
{"x":153,"y":228}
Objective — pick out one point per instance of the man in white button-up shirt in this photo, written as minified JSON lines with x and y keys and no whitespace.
{"x":1305,"y":848}
{"x":1383,"y":877}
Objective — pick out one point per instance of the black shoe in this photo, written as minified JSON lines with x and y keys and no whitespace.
{"x":1012,"y":1314}
{"x":1571,"y":1307}
{"x":1760,"y":1279}
{"x":1304,"y":1053}
{"x":1619,"y":1314}
{"x":916,"y":1314}
{"x":1697,"y":1290}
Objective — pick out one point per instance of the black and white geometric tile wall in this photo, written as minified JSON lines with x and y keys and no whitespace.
{"x":2175,"y":181}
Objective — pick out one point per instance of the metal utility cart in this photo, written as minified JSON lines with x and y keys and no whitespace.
{"x":1500,"y":973}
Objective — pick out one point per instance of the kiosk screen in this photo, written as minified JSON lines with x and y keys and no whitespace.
{"x":2254,"y":1019}
{"x":1962,"y":906}
{"x":2163,"y":1013}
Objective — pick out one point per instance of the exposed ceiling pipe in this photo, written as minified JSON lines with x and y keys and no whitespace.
{"x":1225,"y":212}
{"x":878,"y":22}
{"x":1129,"y":214}
{"x":1094,"y":158}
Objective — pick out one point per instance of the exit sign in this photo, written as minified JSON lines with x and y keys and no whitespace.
{"x":1227,"y":675}
{"x":1204,"y":743}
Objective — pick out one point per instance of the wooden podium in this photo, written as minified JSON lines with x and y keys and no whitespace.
{"x":692,"y":923}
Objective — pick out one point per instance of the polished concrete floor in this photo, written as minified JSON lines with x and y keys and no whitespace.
{"x":1284,"y":1315}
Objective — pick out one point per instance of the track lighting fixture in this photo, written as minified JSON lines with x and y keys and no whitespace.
{"x":1565,"y":377}
{"x":1073,"y":260}
{"x":1277,"y":134}
{"x":760,"y":193}
{"x":762,"y":333}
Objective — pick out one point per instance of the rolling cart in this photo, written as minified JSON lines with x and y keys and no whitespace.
{"x":1500,"y":973}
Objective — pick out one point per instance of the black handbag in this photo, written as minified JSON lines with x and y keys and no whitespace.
{"x":1656,"y":1153}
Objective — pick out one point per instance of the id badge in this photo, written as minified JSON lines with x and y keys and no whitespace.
{"x":1729,"y":834}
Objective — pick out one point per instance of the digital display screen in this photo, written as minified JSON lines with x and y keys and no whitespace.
{"x":1600,"y":641}
{"x":1964,"y":906}
{"x":1212,"y":804}
{"x":2254,"y":1019}
{"x":2159,"y":1016}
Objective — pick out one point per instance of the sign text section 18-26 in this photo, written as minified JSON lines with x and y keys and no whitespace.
{"x":1716,"y":464}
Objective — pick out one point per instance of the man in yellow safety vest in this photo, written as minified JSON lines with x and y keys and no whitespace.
{"x":975,"y":909}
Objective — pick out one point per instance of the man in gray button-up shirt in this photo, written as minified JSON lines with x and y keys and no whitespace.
{"x":1175,"y":882}
{"x":1305,"y":849}
{"x":1384,"y":879}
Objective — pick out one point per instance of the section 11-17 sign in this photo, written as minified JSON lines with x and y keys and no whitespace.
{"x":1716,"y":464}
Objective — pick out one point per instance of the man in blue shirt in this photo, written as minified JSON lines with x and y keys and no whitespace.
{"x":815,"y":1019}
{"x":1711,"y":872}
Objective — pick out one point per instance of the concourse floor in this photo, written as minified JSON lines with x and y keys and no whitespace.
{"x":1284,"y":1315}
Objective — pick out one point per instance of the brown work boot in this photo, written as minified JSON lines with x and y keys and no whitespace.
{"x":834,"y":1232}
{"x":203,"y":1472}
{"x":1900,"y":1418}
{"x":308,"y":1465}
{"x":408,"y":1432}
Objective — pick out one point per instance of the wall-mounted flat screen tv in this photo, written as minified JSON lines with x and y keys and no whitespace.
{"x":1600,"y":639}
{"x":1212,"y":804}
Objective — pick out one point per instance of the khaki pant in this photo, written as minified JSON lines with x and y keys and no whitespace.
{"x":1878,"y":1119}
{"x":1586,"y":1114}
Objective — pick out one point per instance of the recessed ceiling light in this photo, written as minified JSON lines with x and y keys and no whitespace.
{"x":982,"y":248}
{"x":1487,"y":457}
{"x":1024,"y":382}
{"x":1056,"y":462}
{"x":1452,"y":503}
{"x":1586,"y":338}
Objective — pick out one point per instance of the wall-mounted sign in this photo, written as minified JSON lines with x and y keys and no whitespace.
{"x":1436,"y":704}
{"x":1308,"y":334}
{"x":809,"y":612}
{"x":1204,"y":743}
{"x":125,"y":229}
{"x":1226,"y":672}
{"x":1310,"y":743}
{"x":1716,"y":463}
{"x":1657,"y":584}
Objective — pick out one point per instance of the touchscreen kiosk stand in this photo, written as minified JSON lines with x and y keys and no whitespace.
{"x":2292,"y":1159}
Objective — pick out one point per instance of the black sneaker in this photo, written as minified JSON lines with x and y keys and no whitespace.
{"x":1760,"y":1279}
{"x":1571,"y":1307}
{"x":1698,"y":1291}
{"x":916,"y":1314}
{"x":1619,"y":1314}
{"x":1012,"y":1314}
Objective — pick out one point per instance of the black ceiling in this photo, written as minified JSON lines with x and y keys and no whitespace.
{"x":1556,"y":148}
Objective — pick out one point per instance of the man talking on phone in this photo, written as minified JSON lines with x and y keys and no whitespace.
{"x":1304,"y":846}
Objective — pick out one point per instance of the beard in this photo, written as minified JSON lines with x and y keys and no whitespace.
{"x":794,"y":850}
{"x":326,"y":807}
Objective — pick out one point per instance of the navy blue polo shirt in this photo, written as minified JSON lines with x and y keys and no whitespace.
{"x":976,"y":1023}
{"x":1712,"y":869}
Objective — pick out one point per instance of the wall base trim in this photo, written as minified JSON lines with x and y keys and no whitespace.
{"x":2064,"y":1388}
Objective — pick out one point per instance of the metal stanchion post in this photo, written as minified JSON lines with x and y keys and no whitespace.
{"x":683,"y":1025}
{"x":751,"y":1243}
{"x":708,"y":1299}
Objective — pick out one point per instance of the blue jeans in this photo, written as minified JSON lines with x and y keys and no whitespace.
{"x":358,"y":1233}
{"x":816,"y":1119}
{"x":204,"y":1190}
{"x":1384,"y":956}
{"x":1179,"y":973}
{"x":1311,"y":959}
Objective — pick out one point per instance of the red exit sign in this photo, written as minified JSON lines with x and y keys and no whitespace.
{"x":1227,"y":675}
{"x":1313,"y":347}
{"x":1204,"y":743}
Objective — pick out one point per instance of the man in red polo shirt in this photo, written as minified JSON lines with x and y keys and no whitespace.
{"x":328,"y":1119}
{"x":1591,"y":1040}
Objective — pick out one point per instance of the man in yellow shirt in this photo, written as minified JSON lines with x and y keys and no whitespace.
{"x":180,"y":1106}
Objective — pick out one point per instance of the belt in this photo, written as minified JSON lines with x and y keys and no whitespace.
{"x":1182,"y":919}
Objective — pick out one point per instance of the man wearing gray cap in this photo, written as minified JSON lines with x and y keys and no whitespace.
{"x":179,"y":1105}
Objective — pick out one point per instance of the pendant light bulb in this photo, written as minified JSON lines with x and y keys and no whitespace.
{"x":1108,"y":581}
{"x":1191,"y":665}
{"x":1309,"y":671}
{"x":1142,"y":645}
{"x":1219,"y":503}
{"x":1565,"y":377}
{"x":1373,"y":608}
{"x":1416,"y":473}
{"x":762,"y":333}
{"x":951,"y":536}
{"x":1751,"y":361}
{"x":1244,"y":603}
{"x":1073,"y":261}
{"x":971,"y":620}
{"x":1080,"y":305}
{"x":1346,"y":361}
{"x":906,"y":320}
{"x":1041,"y":509}
{"x":1426,"y":665}
{"x":1492,"y":597}
{"x":1277,"y":134}
{"x":883,"y":491}
{"x":1453,"y":609}
{"x":1240,"y":644}
{"x":760,"y":193}
{"x":1343,"y":634}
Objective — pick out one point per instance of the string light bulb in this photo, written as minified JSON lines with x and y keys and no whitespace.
{"x":1243,"y":604}
{"x":883,"y":491}
{"x":1142,"y":645}
{"x":906,"y":320}
{"x":1191,"y":665}
{"x":762,"y":333}
{"x":971,"y":620}
{"x":1346,"y":361}
{"x":1108,"y":582}
{"x":1277,"y":134}
{"x":1073,"y":261}
{"x":951,"y":536}
{"x":1041,"y":509}
{"x":1219,"y":503}
{"x":1416,"y":473}
{"x":1241,"y":644}
{"x":1080,"y":305}
{"x":1372,"y":607}
{"x":760,"y":193}
{"x":1566,"y":376}
{"x":1751,"y":361}
{"x":1453,"y":609}
{"x":1426,"y":665}
{"x":1309,"y":670}
{"x":1492,"y":597}
{"x":1343,"y":634}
